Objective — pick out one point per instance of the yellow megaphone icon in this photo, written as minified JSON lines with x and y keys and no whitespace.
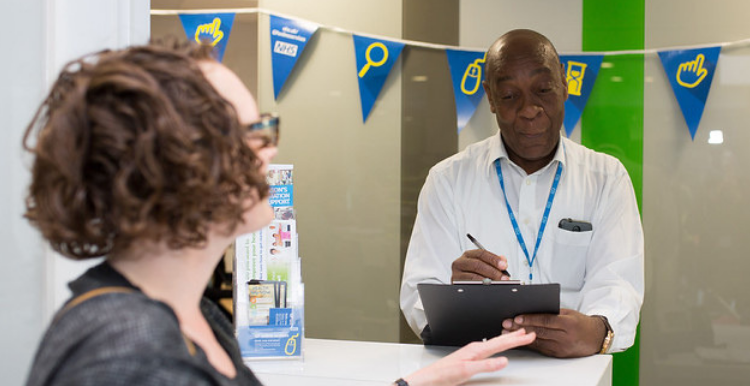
{"x":473,"y":71}
{"x":291,"y":345}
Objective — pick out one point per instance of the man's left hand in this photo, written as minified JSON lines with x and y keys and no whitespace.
{"x":568,"y":335}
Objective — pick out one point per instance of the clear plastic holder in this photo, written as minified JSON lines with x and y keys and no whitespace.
{"x":269,"y":305}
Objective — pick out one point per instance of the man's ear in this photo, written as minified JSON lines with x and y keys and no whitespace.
{"x":488,"y":92}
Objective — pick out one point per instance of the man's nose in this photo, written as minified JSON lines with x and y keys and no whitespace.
{"x":530,"y":108}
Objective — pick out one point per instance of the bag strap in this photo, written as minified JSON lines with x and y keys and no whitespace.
{"x":49,"y":377}
{"x":110,"y":290}
{"x":89,"y":295}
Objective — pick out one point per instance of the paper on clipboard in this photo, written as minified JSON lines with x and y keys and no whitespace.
{"x":493,"y":282}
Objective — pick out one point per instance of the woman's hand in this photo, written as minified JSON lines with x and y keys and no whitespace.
{"x":469,"y":360}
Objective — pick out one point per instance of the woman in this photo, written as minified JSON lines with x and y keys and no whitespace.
{"x":152,"y":157}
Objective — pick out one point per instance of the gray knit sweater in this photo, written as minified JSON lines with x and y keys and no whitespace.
{"x":128,"y":339}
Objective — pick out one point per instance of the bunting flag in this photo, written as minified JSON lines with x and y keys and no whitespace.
{"x":288,"y":40}
{"x":375,"y":59}
{"x":209,"y":28}
{"x":690,"y":73}
{"x":580,"y":72}
{"x":467,"y":73}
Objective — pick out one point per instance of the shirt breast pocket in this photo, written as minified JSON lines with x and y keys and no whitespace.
{"x":569,"y":258}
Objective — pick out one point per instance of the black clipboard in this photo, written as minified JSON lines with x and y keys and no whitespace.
{"x":458,"y":314}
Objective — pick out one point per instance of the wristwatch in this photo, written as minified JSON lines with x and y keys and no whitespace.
{"x":401,"y":382}
{"x":607,"y":338}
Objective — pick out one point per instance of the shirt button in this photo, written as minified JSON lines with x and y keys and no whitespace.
{"x":528,"y":181}
{"x":526,"y":221}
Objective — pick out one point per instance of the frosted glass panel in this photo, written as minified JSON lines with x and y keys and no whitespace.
{"x":696,"y":318}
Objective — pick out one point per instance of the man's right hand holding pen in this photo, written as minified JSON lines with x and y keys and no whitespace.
{"x":479,"y":264}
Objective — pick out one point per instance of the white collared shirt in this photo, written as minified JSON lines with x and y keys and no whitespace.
{"x":600,"y":272}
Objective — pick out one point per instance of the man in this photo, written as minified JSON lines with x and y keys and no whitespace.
{"x":528,"y":166}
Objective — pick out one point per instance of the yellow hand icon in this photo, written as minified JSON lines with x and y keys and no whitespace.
{"x":695,"y":67}
{"x":212,"y":29}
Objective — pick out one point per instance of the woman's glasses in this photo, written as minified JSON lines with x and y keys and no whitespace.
{"x":266,"y":129}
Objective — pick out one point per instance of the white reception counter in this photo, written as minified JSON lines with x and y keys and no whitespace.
{"x":353,"y":363}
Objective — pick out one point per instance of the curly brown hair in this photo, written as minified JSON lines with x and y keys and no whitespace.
{"x":136,"y":144}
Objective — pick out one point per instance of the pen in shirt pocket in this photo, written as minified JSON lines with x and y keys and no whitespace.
{"x":475,"y":242}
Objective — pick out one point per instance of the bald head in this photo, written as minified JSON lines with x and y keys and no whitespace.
{"x":526,"y":89}
{"x":520,"y":45}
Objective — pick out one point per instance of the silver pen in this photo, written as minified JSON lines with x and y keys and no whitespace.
{"x":475,"y":242}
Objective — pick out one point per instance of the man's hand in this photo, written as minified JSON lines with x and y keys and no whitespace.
{"x":568,"y":335}
{"x":477,"y":264}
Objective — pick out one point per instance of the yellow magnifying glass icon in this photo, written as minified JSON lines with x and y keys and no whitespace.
{"x":368,"y":57}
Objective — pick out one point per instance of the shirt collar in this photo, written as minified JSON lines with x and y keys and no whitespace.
{"x":498,"y":151}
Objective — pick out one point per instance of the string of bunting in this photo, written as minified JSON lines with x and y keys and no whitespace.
{"x":690,"y":69}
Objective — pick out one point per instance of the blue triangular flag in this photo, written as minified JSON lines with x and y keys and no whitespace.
{"x":691,"y":72}
{"x":580,"y":72}
{"x":210,"y":28}
{"x":375,"y":58}
{"x":467,"y":74}
{"x":288,"y":40}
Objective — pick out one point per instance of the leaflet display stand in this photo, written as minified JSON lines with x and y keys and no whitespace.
{"x":268,"y":289}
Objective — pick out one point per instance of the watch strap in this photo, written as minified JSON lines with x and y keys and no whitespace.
{"x":608,"y":337}
{"x":401,"y":382}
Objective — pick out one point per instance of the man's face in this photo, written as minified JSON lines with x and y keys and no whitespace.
{"x":527,"y":92}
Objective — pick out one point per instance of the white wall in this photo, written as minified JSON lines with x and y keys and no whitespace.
{"x":21,"y":264}
{"x":44,"y":34}
{"x":76,"y":28}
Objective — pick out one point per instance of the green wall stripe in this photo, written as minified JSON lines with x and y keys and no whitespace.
{"x":613,"y":119}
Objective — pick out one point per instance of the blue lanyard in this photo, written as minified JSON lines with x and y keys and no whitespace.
{"x":545,"y":216}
